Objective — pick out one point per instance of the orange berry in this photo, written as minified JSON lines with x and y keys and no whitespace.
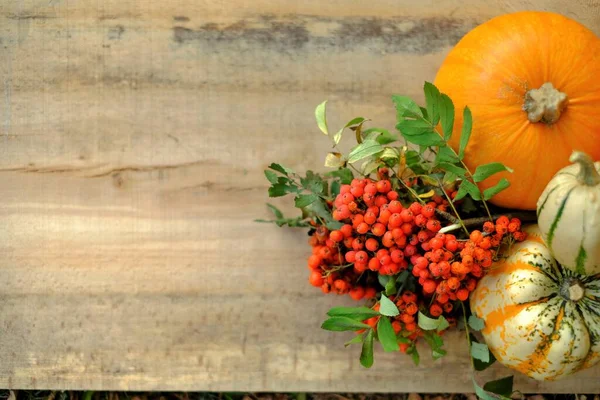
{"x":476,"y":236}
{"x":435,"y":310}
{"x":357,"y":293}
{"x":462,"y":294}
{"x":370,"y":293}
{"x":372,"y":244}
{"x":316,"y":279}
{"x":336,"y":236}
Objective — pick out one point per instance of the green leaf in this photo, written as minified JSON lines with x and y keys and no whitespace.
{"x":281,"y":189}
{"x":339,"y":324}
{"x":480,"y":351}
{"x":447,"y":115}
{"x":278,"y":214}
{"x":382,"y":136}
{"x":312,"y":182}
{"x":390,"y":153}
{"x":335,"y":188}
{"x":497,"y":188}
{"x":485,"y":171}
{"x":477,"y":363}
{"x":458,"y":171}
{"x":383,"y":279}
{"x":446,"y":155}
{"x":366,"y":355}
{"x":413,"y":127}
{"x":386,"y":335}
{"x":485,"y":395}
{"x":429,"y":139}
{"x":334,"y":160}
{"x":357,"y":313}
{"x":406,"y":107}
{"x":356,"y":121}
{"x":304,"y":200}
{"x":364,"y":150}
{"x":390,"y":287}
{"x":433,"y":101}
{"x":414,"y":353}
{"x":430,"y":324}
{"x":321,"y":117}
{"x":356,"y":339}
{"x":465,"y":134}
{"x":369,"y":167}
{"x":503,"y":386}
{"x":468,"y":187}
{"x":438,"y":353}
{"x":345,"y":175}
{"x":280,"y":168}
{"x":333,"y":225}
{"x":271,"y":176}
{"x":475,"y":323}
{"x":387,"y":307}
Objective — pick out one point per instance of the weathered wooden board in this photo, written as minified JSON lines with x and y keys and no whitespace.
{"x":133,"y":135}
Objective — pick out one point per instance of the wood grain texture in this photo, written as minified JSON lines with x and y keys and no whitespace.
{"x":133,"y":135}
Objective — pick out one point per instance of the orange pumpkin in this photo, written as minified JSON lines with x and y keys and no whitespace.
{"x":532,"y":82}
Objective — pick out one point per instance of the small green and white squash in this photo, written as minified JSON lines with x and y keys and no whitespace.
{"x":569,"y":215}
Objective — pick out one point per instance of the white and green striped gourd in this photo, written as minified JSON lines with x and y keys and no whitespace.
{"x":569,"y":215}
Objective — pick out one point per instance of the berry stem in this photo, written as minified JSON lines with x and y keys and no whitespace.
{"x":524,"y":216}
{"x":460,"y":221}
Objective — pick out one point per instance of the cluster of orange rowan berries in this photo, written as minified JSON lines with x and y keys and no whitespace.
{"x":381,"y":236}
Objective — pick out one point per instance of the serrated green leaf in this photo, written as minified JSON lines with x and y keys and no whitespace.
{"x":480,"y":351}
{"x":433,"y":101}
{"x":414,"y":127}
{"x":366,"y":355}
{"x":502,"y":387}
{"x":414,"y":353}
{"x":497,"y":188}
{"x":458,"y":171}
{"x":406,"y":107}
{"x":438,"y":353}
{"x":356,"y":339}
{"x":449,"y":177}
{"x":386,"y":335}
{"x":485,"y":171}
{"x":356,"y":313}
{"x":465,"y":133}
{"x":280,"y":189}
{"x":387,"y":307}
{"x":304,"y":200}
{"x":446,"y":115}
{"x":334,"y":160}
{"x":320,"y":115}
{"x":333,"y":225}
{"x":271,"y":176}
{"x":364,"y":150}
{"x":280,"y":168}
{"x":429,"y":139}
{"x":339,"y":324}
{"x":344,"y":174}
{"x":278,"y":214}
{"x":444,"y":324}
{"x":383,"y":279}
{"x":468,"y":187}
{"x":446,"y":155}
{"x":476,"y":323}
{"x":312,"y":182}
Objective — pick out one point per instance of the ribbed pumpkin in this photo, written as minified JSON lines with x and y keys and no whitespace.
{"x":531,"y":81}
{"x":540,"y":319}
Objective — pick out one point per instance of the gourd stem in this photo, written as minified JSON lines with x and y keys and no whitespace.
{"x":572,"y":289}
{"x":588,"y":175}
{"x":544,"y":104}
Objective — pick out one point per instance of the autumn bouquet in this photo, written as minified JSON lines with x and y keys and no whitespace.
{"x":469,"y":215}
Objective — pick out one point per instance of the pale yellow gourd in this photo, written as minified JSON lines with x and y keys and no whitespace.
{"x":569,"y":215}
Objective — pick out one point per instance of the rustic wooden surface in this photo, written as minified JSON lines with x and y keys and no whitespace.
{"x":133,"y":135}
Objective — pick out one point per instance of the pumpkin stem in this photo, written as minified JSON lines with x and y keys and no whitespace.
{"x":572,"y":289}
{"x":544,"y":104}
{"x":588,"y":174}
